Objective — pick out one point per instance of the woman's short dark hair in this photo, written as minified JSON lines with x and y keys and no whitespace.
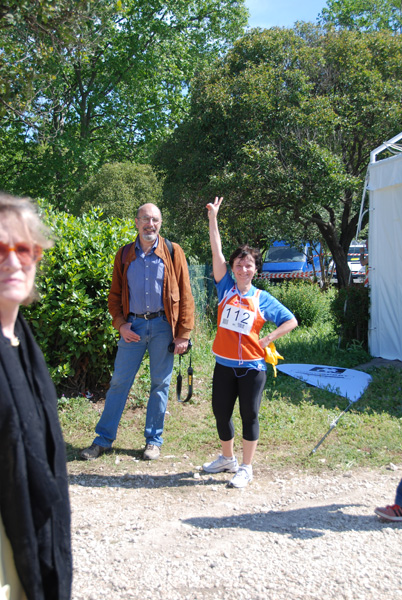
{"x":246,"y":250}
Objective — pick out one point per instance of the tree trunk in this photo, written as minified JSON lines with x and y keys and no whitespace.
{"x":339,"y":252}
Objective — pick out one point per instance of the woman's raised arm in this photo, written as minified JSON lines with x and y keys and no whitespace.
{"x":218,"y":260}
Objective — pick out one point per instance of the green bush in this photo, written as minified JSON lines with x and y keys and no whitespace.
{"x":304,"y":299}
{"x":71,"y":321}
{"x":350,"y":308}
{"x":119,"y":189}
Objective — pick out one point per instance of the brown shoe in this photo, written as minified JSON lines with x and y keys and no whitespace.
{"x":151,"y":452}
{"x":93,"y":452}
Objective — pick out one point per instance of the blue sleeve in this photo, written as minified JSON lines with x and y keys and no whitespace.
{"x":273,"y":310}
{"x":224,"y":285}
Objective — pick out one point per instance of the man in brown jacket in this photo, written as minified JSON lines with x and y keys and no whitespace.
{"x":151,"y":304}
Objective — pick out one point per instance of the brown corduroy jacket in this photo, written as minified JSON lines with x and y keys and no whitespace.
{"x":178,"y":301}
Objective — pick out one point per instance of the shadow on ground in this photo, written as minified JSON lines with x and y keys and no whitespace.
{"x":140,"y":480}
{"x":303,"y":523}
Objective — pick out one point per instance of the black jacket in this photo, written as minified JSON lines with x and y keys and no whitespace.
{"x":34,"y":502}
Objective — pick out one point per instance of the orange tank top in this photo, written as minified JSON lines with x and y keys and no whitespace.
{"x":239,"y":325}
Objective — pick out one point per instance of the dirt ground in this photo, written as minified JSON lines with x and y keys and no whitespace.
{"x":167,"y":530}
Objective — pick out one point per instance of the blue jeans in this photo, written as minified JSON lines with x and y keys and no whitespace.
{"x":156,"y":335}
{"x":398,"y":499}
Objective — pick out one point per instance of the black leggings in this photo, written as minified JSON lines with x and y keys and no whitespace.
{"x":228,"y":384}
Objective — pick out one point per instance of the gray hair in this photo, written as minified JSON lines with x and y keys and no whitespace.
{"x":140,"y":208}
{"x":25,"y":209}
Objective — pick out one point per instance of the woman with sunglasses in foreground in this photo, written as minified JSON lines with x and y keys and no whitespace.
{"x":35,"y":552}
{"x":240,"y":369}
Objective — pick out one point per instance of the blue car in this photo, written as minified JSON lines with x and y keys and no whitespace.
{"x":283,"y":261}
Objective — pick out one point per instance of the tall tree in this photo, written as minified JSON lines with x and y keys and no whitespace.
{"x":29,"y":30}
{"x":105,"y":90}
{"x":366,"y":15}
{"x":283,"y":127}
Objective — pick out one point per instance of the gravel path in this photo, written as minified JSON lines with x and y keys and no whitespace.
{"x":168,"y":534}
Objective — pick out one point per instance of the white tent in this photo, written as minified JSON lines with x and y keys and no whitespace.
{"x":384,"y":184}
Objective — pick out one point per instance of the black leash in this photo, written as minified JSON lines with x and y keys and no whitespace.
{"x":190,"y":372}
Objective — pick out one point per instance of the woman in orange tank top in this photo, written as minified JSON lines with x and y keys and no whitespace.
{"x":240,"y":370}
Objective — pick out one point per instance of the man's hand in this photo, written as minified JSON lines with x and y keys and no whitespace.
{"x":128,"y":334}
{"x":180,"y":345}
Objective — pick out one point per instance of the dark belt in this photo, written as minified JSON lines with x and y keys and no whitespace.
{"x":147,"y":316}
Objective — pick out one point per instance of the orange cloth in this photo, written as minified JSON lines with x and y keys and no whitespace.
{"x":234,"y":345}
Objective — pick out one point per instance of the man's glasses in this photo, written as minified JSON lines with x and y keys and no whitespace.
{"x":149,"y":219}
{"x":26,"y":253}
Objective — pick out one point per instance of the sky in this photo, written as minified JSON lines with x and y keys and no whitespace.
{"x":283,"y":13}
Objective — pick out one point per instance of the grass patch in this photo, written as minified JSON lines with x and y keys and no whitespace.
{"x":293,"y":416}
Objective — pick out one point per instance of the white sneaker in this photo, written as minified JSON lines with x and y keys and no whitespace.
{"x":222,"y":464}
{"x":243,"y":476}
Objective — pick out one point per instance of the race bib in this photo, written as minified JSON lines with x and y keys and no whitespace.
{"x":237,"y":318}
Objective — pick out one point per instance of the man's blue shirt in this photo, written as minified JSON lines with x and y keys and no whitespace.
{"x":145,"y":281}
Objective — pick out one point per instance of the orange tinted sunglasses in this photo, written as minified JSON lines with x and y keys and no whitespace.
{"x":26,"y":253}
